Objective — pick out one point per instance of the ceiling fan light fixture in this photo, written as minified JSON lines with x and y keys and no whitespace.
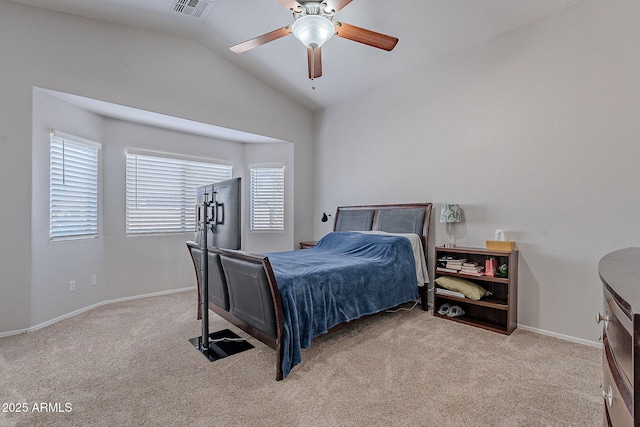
{"x":313,"y":30}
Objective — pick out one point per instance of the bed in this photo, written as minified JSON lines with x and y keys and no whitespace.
{"x":374,"y":260}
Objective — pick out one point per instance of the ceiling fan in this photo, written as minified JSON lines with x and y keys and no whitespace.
{"x":313,"y":25}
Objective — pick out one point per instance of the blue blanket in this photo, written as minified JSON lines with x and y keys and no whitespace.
{"x":347,"y":275}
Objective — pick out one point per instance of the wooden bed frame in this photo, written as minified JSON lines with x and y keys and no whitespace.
{"x":243,"y":288}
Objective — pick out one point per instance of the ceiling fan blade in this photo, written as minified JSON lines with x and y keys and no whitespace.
{"x":368,"y":37}
{"x":289,"y":4}
{"x":260,"y":40}
{"x":314,"y":58}
{"x":336,"y":5}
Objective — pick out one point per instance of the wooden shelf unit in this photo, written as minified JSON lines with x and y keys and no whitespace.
{"x":497,"y":312}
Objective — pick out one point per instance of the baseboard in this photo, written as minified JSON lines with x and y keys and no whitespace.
{"x":91,"y":307}
{"x":560,"y":336}
{"x":173,"y":291}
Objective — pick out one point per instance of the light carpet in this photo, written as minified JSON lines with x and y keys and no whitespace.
{"x":130,"y":364}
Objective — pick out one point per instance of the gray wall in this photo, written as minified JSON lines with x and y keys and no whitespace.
{"x":536,"y":133}
{"x":130,"y":67}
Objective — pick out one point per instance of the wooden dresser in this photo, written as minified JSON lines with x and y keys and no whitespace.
{"x":620,"y":275}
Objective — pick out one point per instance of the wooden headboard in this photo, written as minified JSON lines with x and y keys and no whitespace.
{"x":400,"y":218}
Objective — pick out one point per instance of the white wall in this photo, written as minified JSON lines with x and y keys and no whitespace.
{"x":55,"y":263}
{"x":535,"y":133}
{"x":125,"y":66}
{"x":143,"y":264}
{"x":125,"y":265}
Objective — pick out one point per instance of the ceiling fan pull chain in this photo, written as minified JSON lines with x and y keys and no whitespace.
{"x":313,"y":67}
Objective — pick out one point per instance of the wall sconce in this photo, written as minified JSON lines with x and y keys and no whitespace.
{"x":326,"y":216}
{"x":450,"y":214}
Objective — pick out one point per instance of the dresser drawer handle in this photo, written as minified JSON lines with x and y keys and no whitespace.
{"x":608,"y":396}
{"x":605,"y":318}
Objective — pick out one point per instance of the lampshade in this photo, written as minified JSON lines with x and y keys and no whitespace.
{"x":313,"y":30}
{"x":450,"y":213}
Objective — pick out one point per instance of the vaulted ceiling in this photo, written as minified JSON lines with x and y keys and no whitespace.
{"x":428,"y":30}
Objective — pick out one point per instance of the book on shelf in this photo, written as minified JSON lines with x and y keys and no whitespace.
{"x":449,"y":259}
{"x":443,"y":291}
{"x":450,"y":265}
{"x":447,"y":270}
{"x":456,"y":264}
{"x":478,"y":270}
{"x":472,"y":273}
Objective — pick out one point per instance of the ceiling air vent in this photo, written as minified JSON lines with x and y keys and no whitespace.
{"x":195,"y":8}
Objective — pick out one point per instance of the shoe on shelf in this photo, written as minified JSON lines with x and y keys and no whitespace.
{"x":455,"y":311}
{"x":444,"y":308}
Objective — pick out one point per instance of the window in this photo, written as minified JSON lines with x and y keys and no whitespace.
{"x":267,"y":198}
{"x":73,"y":187}
{"x":161,"y":191}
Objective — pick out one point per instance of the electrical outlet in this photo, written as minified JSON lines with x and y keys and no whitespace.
{"x":72,"y":286}
{"x":94,"y":280}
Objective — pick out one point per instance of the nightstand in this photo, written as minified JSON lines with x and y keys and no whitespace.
{"x":307,"y":245}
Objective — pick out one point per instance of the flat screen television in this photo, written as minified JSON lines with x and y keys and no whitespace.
{"x":224,"y":230}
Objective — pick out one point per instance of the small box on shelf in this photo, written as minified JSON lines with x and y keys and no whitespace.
{"x":500,"y":245}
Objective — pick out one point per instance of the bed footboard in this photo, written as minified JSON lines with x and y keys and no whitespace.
{"x":245,"y":293}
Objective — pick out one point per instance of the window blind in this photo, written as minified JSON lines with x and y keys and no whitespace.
{"x":161,"y":191}
{"x":73,"y":187}
{"x":267,"y":198}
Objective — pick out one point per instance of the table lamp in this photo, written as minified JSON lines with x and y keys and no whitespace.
{"x":450,"y":214}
